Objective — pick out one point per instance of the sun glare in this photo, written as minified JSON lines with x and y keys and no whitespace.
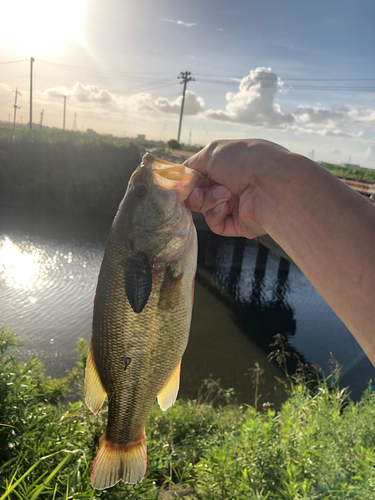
{"x":25,"y":269}
{"x":39,"y":27}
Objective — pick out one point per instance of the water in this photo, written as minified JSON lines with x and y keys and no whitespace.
{"x":48,"y":271}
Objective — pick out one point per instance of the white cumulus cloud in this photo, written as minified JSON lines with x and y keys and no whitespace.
{"x":83,"y":94}
{"x":254,"y":103}
{"x":144,"y":102}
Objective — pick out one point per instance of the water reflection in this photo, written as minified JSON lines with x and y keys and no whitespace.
{"x":262,"y":298}
{"x":25,"y":268}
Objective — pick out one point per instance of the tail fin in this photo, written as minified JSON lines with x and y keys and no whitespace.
{"x":114,"y":463}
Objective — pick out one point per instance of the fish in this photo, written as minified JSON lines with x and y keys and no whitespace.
{"x":142,"y":314}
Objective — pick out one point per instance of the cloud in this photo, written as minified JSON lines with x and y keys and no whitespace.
{"x":182,"y":23}
{"x":83,"y":94}
{"x":335,"y":117}
{"x":193,"y":104}
{"x":141,"y":102}
{"x":144,"y":102}
{"x":324,"y":132}
{"x":370,"y":153}
{"x":254,"y":103}
{"x":335,"y":151}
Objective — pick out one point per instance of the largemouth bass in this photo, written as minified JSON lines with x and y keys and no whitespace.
{"x":142,"y":314}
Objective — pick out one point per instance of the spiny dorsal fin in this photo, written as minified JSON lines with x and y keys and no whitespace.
{"x":168,"y":395}
{"x":94,"y":391}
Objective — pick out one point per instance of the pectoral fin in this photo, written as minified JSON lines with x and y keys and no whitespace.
{"x":94,"y":391}
{"x":168,"y":395}
{"x":171,"y":289}
{"x":138,"y":280}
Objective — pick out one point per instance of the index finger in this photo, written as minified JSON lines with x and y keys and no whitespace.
{"x":200,"y":161}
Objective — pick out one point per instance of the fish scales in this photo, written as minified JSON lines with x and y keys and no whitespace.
{"x":142,"y":314}
{"x":148,"y":339}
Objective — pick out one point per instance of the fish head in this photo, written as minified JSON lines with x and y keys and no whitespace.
{"x":152,"y":215}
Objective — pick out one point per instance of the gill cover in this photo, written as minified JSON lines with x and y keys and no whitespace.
{"x":138,"y":269}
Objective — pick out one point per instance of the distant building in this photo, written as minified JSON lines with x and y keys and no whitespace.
{"x":141,"y":137}
{"x":90,"y":131}
{"x":349,"y":165}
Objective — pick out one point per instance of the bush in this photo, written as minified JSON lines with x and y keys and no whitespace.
{"x":319,"y":446}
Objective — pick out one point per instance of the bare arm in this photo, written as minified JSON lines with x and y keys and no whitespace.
{"x":327,"y":228}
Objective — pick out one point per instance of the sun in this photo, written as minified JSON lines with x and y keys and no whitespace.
{"x":40,"y":27}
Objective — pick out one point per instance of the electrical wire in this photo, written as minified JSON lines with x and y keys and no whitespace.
{"x":13,"y":62}
{"x":146,"y":81}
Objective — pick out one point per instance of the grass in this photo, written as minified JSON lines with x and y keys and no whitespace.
{"x":355,"y":174}
{"x":319,"y":446}
{"x":64,"y":171}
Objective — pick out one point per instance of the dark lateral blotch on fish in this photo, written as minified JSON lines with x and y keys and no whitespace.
{"x":138,"y":280}
{"x":127,"y":362}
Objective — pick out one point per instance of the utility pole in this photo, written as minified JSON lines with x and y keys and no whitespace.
{"x":41,"y":120}
{"x":31,"y":93}
{"x":64,"y":111}
{"x":185,"y":77}
{"x":17,"y":93}
{"x":75,"y":123}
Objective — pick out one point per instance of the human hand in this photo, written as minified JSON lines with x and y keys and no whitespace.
{"x":235,"y":169}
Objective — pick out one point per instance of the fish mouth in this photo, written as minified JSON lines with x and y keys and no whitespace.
{"x":170,"y":224}
{"x":167,"y":175}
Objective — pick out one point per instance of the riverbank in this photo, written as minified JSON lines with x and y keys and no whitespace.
{"x":64,"y":172}
{"x":79,"y":173}
{"x":320,"y":445}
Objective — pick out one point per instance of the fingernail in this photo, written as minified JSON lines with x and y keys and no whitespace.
{"x":219,"y":207}
{"x":194,"y":199}
{"x":221,"y":192}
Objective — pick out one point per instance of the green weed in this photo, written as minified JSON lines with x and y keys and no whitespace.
{"x":320,"y":445}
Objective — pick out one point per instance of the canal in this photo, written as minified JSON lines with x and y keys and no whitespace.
{"x":49,"y":265}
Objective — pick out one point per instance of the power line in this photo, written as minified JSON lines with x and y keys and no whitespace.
{"x":289,"y":79}
{"x":276,"y":85}
{"x":13,"y":62}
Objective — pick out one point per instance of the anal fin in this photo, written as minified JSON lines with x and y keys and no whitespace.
{"x":168,"y":395}
{"x":94,"y":391}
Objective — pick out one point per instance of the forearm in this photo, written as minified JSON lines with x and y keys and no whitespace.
{"x":329,"y":232}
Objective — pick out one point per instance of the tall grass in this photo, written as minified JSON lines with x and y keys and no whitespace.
{"x":64,"y":171}
{"x":319,"y":446}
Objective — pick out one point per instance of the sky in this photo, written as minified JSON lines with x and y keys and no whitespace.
{"x":297,"y":72}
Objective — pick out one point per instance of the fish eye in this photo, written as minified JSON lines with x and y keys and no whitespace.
{"x":140,"y":190}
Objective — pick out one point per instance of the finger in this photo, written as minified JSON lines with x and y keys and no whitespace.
{"x":200,"y":160}
{"x":202,"y":200}
{"x":195,"y":200}
{"x":220,"y":221}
